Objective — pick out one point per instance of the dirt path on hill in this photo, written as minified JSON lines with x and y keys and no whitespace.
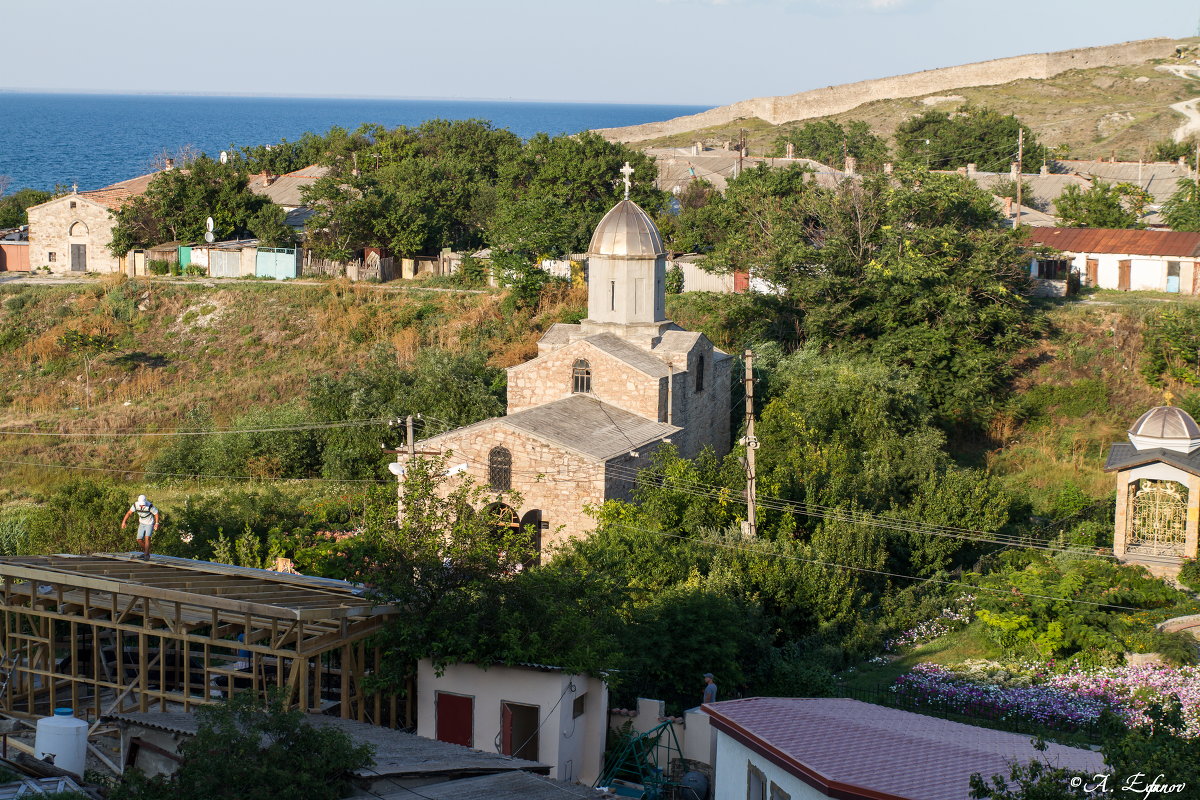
{"x":1188,"y":108}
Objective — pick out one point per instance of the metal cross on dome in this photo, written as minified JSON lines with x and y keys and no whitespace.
{"x":627,"y":171}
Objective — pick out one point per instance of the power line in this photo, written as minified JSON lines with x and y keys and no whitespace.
{"x":350,"y":423}
{"x":189,"y":475}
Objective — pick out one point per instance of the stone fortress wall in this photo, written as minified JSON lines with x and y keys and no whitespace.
{"x":836,"y":99}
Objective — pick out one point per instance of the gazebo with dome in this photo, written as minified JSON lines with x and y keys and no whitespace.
{"x":1158,"y":490}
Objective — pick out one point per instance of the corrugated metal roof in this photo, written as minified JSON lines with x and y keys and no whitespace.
{"x":1159,"y":178}
{"x":285,"y":189}
{"x":502,"y":786}
{"x":860,"y":746}
{"x":1118,"y":241}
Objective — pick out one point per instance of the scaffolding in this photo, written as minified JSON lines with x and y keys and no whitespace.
{"x":111,"y":633}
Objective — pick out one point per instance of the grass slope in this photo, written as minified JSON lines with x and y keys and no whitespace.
{"x":1092,"y":113}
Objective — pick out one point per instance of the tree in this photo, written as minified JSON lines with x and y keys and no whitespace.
{"x":1104,"y":205}
{"x":13,"y":206}
{"x":1035,"y":780}
{"x":1171,"y":150}
{"x":178,"y":201}
{"x":830,"y":143}
{"x":550,"y":199}
{"x":254,"y":749}
{"x":1182,"y":209}
{"x":971,"y":135}
{"x":87,"y":345}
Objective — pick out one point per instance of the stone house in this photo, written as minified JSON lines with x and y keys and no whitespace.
{"x":589,"y":411}
{"x":71,"y":233}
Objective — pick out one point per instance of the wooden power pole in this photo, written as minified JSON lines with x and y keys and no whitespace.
{"x":751,"y":528}
{"x":1020,"y":172}
{"x":410,"y":451}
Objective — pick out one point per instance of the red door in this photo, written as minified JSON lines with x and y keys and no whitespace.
{"x":455,"y":715}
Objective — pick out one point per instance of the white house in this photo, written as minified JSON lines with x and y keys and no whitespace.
{"x":1147,"y":260}
{"x":795,"y":748}
{"x":535,"y":712}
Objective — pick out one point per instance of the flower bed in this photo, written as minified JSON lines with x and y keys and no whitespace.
{"x":952,"y":618}
{"x":1036,"y":694}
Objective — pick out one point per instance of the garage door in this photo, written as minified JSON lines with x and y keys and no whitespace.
{"x":224,"y":263}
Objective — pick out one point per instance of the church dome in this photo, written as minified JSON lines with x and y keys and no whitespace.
{"x":1167,"y":427}
{"x":628,"y":232}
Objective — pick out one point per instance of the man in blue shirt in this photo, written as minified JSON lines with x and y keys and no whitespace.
{"x":710,"y":689}
{"x":147,"y":516}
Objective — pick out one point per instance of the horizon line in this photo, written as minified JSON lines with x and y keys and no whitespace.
{"x":301,"y":96}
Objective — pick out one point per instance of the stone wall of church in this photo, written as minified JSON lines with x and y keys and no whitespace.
{"x":548,"y":378}
{"x":704,"y":415}
{"x":558,"y":482}
{"x":56,"y":225}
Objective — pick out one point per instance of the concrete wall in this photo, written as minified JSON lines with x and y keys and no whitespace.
{"x":732,"y":770}
{"x":572,"y":746}
{"x":50,"y":232}
{"x":836,"y":99}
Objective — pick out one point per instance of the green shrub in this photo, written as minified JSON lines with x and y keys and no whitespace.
{"x":194,"y":269}
{"x":158,"y":267}
{"x":1189,"y":575}
{"x":674,"y":282}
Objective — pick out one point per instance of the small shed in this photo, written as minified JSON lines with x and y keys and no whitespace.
{"x":1158,"y":491}
{"x":167,"y":251}
{"x":279,"y":263}
{"x":531,"y":711}
{"x":14,"y":256}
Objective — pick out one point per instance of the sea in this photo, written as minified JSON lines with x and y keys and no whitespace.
{"x":92,"y":140}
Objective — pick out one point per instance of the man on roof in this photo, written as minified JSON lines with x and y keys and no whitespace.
{"x":147,"y":515}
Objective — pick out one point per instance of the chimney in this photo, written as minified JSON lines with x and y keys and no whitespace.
{"x":961,"y":170}
{"x":970,"y":169}
{"x":1045,"y":170}
{"x":1014,"y":171}
{"x":791,"y":150}
{"x":170,"y":164}
{"x":887,"y":168}
{"x":268,"y":179}
{"x":851,"y":165}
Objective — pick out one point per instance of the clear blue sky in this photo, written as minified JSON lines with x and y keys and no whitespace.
{"x":631,"y":51}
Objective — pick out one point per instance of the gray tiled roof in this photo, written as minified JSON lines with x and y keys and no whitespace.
{"x":396,"y":752}
{"x":630,"y":354}
{"x":502,"y":786}
{"x":1123,"y":455}
{"x":586,"y":425}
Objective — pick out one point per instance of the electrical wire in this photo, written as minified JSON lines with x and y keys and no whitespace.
{"x":350,"y":423}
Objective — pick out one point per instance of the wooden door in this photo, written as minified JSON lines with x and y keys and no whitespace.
{"x":79,"y":258}
{"x":1123,"y":269}
{"x":519,"y":730}
{"x":455,"y":715}
{"x":1093,"y":272}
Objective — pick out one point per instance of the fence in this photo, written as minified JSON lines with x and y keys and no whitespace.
{"x":372,"y":269}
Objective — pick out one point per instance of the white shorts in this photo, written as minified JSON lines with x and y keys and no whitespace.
{"x":144,"y":530}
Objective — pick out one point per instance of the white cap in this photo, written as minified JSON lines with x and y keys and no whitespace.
{"x":142,"y":499}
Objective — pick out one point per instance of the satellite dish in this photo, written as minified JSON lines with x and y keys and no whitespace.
{"x":208,"y":237}
{"x":396,"y":468}
{"x":208,"y":224}
{"x":224,"y":157}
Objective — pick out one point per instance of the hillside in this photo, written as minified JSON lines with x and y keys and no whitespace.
{"x":1092,"y":112}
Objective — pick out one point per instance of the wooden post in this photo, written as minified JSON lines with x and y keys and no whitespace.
{"x":751,"y":447}
{"x":1020,"y":171}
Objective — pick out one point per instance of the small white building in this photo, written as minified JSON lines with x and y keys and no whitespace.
{"x":796,"y":748}
{"x":1111,"y":258}
{"x":535,"y":712}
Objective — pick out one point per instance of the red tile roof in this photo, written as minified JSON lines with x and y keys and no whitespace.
{"x":850,"y":749}
{"x":1118,"y":241}
{"x":118,"y":194}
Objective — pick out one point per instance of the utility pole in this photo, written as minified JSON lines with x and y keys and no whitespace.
{"x":1020,"y":172}
{"x":398,"y":469}
{"x":751,"y":527}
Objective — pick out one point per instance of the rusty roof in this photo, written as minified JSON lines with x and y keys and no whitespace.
{"x":850,"y":749}
{"x":1119,"y":241}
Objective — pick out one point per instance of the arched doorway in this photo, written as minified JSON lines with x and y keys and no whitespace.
{"x":1157,"y":518}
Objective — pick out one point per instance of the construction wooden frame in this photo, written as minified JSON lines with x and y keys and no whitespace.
{"x":110,"y":633}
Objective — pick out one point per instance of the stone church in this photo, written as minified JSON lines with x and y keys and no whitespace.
{"x":589,"y":411}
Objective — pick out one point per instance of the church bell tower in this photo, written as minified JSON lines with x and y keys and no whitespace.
{"x":627,"y":275}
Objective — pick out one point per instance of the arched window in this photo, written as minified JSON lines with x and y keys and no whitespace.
{"x":78,"y":229}
{"x":700,"y":373}
{"x":581,"y":377}
{"x":500,"y":469}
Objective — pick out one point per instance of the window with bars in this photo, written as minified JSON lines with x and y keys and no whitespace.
{"x":581,"y":377}
{"x":500,"y":469}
